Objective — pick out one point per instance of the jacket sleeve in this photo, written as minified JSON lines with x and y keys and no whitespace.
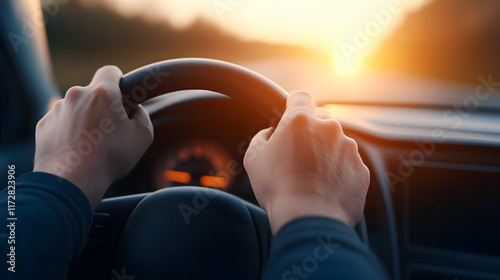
{"x":321,"y":248}
{"x":48,"y":228}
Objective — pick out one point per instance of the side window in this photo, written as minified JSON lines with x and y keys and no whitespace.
{"x":14,"y":110}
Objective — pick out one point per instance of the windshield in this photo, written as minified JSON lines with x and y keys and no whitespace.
{"x":326,"y":47}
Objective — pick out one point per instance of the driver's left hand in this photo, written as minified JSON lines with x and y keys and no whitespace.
{"x":88,"y":139}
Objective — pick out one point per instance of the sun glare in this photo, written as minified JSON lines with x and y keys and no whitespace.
{"x":353,"y":29}
{"x":346,"y":68}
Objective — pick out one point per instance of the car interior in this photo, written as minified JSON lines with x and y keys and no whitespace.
{"x":433,"y":150}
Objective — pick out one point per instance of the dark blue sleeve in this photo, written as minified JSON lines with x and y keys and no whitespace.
{"x":53,"y":220}
{"x":320,"y":248}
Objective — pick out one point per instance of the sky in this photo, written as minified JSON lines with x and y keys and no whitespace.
{"x":346,"y":30}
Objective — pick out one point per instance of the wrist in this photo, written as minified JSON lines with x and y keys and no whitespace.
{"x":287,"y":209}
{"x":90,"y":182}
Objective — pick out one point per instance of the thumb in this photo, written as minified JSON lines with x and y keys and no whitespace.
{"x":141,"y":120}
{"x":262,"y":137}
{"x":257,"y":145}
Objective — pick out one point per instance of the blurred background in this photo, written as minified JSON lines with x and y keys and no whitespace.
{"x":327,"y":47}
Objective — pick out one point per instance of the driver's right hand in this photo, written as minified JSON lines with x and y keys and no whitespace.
{"x":307,"y":167}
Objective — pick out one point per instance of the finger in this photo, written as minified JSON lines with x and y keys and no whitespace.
{"x":265,"y":134}
{"x":141,"y":116}
{"x":323,"y":113}
{"x":256,"y":146}
{"x":74,"y":93}
{"x":300,"y":101}
{"x":106,"y":81}
{"x":262,"y":136}
{"x":108,"y":74}
{"x":56,"y":107}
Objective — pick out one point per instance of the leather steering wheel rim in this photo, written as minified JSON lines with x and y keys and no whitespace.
{"x":206,"y":74}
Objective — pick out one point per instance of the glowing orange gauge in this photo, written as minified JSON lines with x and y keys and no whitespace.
{"x":199,"y":162}
{"x":177,"y":176}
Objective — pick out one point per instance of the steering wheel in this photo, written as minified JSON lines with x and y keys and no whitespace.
{"x":207,"y":74}
{"x":184,"y":232}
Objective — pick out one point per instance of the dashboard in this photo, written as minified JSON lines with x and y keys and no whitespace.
{"x":434,"y":198}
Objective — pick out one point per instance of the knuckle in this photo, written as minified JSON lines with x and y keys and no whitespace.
{"x":103,"y":93}
{"x":73,"y":93}
{"x":333,"y":126}
{"x":323,"y":112}
{"x":298,"y":118}
{"x":352,"y":144}
{"x":101,"y":89}
{"x":111,"y":68}
{"x":57,"y":105}
{"x":331,"y":129}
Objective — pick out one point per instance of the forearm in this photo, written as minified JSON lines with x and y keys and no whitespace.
{"x":321,"y":248}
{"x":48,"y":209}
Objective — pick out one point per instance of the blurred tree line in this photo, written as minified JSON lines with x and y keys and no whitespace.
{"x":82,"y":39}
{"x":452,"y":40}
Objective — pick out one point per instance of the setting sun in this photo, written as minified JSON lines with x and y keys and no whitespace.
{"x":346,"y":30}
{"x":342,"y":67}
